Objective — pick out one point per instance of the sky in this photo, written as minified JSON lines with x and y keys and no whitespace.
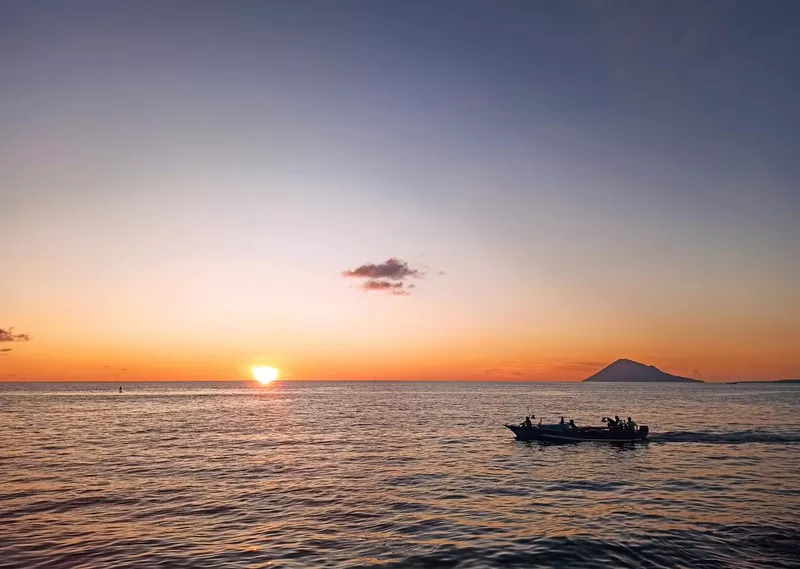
{"x":399,"y":190}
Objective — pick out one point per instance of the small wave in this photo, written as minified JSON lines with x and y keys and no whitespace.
{"x":729,"y":438}
{"x":588,"y":486}
{"x":668,"y":549}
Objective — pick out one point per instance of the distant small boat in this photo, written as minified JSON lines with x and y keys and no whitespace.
{"x":566,"y":434}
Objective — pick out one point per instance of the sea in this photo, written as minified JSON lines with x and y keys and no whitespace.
{"x":395,"y":474}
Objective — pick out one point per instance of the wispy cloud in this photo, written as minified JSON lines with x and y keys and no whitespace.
{"x":505,"y":372}
{"x":390,"y":276}
{"x":9,"y":336}
{"x":579,"y":366}
{"x":393,"y":288}
{"x":4,"y":351}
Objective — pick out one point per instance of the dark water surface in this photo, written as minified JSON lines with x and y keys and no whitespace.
{"x":395,"y":475}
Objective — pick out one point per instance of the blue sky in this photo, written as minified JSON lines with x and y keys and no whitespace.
{"x":578,"y":169}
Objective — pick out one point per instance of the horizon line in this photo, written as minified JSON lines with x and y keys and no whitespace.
{"x":722,"y":382}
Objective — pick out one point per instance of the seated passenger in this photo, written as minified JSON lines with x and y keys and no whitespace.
{"x":630,"y":424}
{"x":527,"y":422}
{"x":572,"y":424}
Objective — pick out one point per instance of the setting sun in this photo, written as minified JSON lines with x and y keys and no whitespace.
{"x":265,"y":374}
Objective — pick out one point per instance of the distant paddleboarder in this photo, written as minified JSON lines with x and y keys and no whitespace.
{"x":120,"y":389}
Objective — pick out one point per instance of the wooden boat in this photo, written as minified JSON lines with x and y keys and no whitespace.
{"x":567,"y":434}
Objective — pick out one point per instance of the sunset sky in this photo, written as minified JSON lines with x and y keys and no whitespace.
{"x":188,"y":189}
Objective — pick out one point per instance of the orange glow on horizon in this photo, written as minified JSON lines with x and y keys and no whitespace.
{"x":451,"y":359}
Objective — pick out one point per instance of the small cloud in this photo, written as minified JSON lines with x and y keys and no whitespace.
{"x":393,"y":269}
{"x":9,"y":336}
{"x":441,"y":273}
{"x":4,"y":351}
{"x":390,"y":276}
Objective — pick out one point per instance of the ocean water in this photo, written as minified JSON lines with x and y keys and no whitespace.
{"x":376,"y":474}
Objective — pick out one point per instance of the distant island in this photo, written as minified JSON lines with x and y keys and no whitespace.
{"x":624,"y":370}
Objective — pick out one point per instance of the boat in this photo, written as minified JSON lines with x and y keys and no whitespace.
{"x":565,"y":434}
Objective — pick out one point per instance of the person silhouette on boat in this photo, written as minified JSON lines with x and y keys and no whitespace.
{"x":630,"y":424}
{"x":120,"y":389}
{"x":527,"y":421}
{"x":572,"y":424}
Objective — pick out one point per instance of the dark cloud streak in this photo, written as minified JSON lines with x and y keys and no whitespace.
{"x":9,"y":336}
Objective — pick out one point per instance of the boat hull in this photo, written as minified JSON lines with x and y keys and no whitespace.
{"x":560,"y":435}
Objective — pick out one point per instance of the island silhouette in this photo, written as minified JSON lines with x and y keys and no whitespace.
{"x":624,"y":370}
